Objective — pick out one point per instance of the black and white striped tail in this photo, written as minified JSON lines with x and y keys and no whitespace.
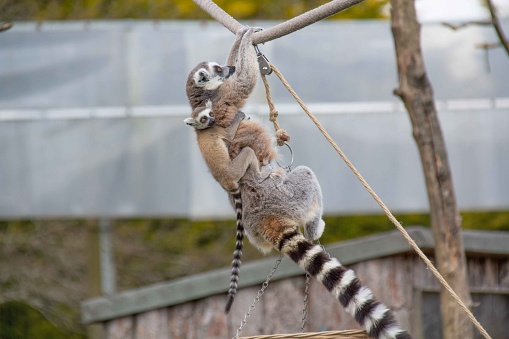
{"x":358,"y":300}
{"x":237,"y":253}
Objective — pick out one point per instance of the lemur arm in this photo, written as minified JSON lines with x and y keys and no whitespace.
{"x":234,"y":51}
{"x":232,"y":129}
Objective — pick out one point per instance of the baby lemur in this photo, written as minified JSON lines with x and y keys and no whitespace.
{"x":212,"y":141}
{"x":227,"y":88}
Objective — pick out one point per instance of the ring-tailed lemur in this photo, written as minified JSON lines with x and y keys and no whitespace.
{"x":228,"y":87}
{"x":212,"y":141}
{"x":275,"y":209}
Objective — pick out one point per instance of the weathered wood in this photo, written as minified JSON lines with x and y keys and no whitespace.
{"x":152,"y":324}
{"x":180,"y":324}
{"x":121,"y":328}
{"x":243,"y":300}
{"x":283,"y":306}
{"x":417,"y":95}
{"x":395,"y":280}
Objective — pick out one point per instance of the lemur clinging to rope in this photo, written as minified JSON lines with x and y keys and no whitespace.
{"x":275,"y":209}
{"x":223,"y":90}
{"x":228,"y":87}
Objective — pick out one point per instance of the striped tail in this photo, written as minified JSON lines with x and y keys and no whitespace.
{"x":358,"y":300}
{"x":237,"y":253}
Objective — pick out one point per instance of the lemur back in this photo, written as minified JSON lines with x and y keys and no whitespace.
{"x":275,"y":209}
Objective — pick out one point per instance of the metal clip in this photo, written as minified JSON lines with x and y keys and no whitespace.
{"x":263,"y":62}
{"x":288,"y":167}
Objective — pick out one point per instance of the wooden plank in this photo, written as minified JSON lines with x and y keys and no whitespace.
{"x":120,"y":328}
{"x":152,"y":324}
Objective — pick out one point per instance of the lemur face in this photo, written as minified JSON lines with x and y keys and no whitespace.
{"x":211,"y":75}
{"x":201,"y":118}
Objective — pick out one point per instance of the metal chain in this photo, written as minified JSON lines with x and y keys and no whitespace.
{"x":305,"y":309}
{"x":258,"y":296}
{"x":323,"y":248}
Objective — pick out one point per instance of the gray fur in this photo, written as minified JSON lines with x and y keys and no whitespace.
{"x":228,"y":92}
{"x":274,"y":212}
{"x":295,"y":196}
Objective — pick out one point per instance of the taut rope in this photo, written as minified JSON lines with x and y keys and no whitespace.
{"x":282,"y":29}
{"x":391,"y":217}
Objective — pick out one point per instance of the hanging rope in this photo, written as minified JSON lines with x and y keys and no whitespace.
{"x":391,"y":217}
{"x":281,"y":136}
{"x":316,"y":335}
{"x":281,"y":29}
{"x":293,"y":25}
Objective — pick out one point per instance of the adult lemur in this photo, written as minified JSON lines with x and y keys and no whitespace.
{"x":223,"y":90}
{"x":275,"y":209}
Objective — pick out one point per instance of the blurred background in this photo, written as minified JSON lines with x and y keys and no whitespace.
{"x":96,"y":162}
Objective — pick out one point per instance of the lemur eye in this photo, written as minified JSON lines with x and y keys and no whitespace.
{"x":203,"y":120}
{"x":211,"y":114}
{"x":218,"y":69}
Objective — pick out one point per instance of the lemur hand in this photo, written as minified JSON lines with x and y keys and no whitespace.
{"x":239,"y":116}
{"x":241,"y":31}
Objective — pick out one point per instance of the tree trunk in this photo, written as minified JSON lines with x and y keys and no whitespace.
{"x":417,"y":95}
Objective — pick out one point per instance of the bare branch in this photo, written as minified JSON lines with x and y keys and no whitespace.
{"x":466,"y":24}
{"x":498,"y":26}
{"x":5,"y":26}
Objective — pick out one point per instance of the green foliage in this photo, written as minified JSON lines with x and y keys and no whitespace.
{"x":19,"y":321}
{"x":174,"y":9}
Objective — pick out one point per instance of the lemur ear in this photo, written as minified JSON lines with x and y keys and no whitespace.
{"x":190,"y":122}
{"x":208,"y":104}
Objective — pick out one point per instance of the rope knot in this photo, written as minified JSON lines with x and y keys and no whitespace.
{"x":282,"y":137}
{"x":273,"y":115}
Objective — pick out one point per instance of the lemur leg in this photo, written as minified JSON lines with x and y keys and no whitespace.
{"x":313,"y":230}
{"x":312,"y":222}
{"x":234,"y":126}
{"x":238,"y":167}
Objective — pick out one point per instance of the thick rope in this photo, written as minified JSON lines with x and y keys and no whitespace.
{"x":349,"y":334}
{"x":281,"y":29}
{"x":391,"y":217}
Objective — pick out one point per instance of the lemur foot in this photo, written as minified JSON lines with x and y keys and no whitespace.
{"x":265,"y":172}
{"x":239,"y":116}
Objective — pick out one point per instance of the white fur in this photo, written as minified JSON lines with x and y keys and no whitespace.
{"x":376,"y":315}
{"x":214,"y":83}
{"x":304,"y":262}
{"x":347,"y":278}
{"x":359,"y":299}
{"x":391,"y":332}
{"x":329,"y":265}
